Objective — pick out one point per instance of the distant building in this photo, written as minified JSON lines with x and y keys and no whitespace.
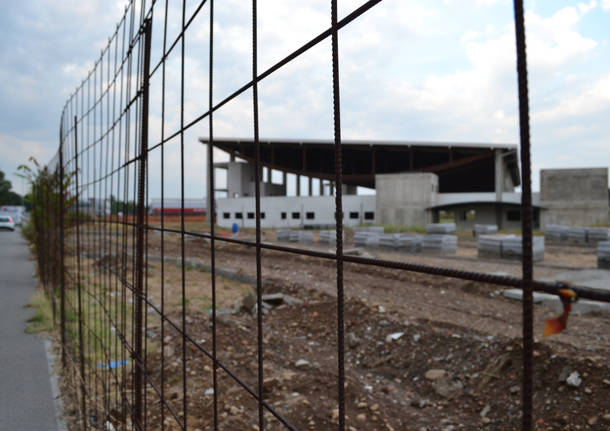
{"x":174,"y":206}
{"x":415,"y":183}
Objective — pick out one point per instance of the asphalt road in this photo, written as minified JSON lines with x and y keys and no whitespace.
{"x":26,"y":402}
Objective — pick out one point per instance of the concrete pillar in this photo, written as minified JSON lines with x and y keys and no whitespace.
{"x":285,"y":182}
{"x":349,"y":190}
{"x":499,"y":174}
{"x":321,"y":184}
{"x":298,"y":185}
{"x":210,"y":194}
{"x":310,"y":186}
{"x":499,"y":185}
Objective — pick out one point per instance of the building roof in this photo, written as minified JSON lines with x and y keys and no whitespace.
{"x":461,"y":166}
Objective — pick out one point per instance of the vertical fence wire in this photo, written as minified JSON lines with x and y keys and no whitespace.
{"x":211,"y":214}
{"x":338,"y":216}
{"x":257,"y":197}
{"x":526,"y":217}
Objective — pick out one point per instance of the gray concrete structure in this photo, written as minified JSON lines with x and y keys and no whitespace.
{"x":240,"y":181}
{"x":574,"y":197}
{"x":403,"y":199}
{"x":295,"y":211}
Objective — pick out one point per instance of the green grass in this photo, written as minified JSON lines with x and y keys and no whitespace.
{"x":42,"y":320}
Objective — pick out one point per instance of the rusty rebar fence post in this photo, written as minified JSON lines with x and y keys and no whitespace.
{"x":211,"y":215}
{"x":62,"y":278}
{"x":526,"y":222}
{"x":81,"y":349}
{"x":338,"y":216}
{"x":141,"y":205}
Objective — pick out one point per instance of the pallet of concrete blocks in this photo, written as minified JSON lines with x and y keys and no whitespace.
{"x":302,"y":236}
{"x":597,"y":234}
{"x":485,"y":229}
{"x":603,"y":255}
{"x":556,"y":232}
{"x":372,"y":240}
{"x":329,"y":237}
{"x":441,"y":228}
{"x":577,"y":235}
{"x":512,"y":248}
{"x":490,"y":246}
{"x":389,"y":240}
{"x":410,"y":243}
{"x":372,"y":229}
{"x":361,"y":236}
{"x":283,"y":235}
{"x":438,"y":243}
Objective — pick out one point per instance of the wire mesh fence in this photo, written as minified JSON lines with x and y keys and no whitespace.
{"x":124,"y":284}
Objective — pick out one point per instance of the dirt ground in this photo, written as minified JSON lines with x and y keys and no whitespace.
{"x":422,"y":352}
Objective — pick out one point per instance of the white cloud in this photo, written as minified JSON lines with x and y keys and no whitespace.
{"x":555,"y":40}
{"x":586,"y":7}
{"x":606,"y":4}
{"x":592,"y":97}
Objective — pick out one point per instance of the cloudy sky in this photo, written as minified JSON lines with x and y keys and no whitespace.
{"x":410,"y":70}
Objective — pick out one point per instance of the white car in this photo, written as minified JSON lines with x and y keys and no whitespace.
{"x":6,"y":222}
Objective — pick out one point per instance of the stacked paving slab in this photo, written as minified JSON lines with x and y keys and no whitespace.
{"x":362,"y":234}
{"x":302,"y":236}
{"x":372,"y":229}
{"x":329,"y":237}
{"x":389,"y":240}
{"x":512,"y":248}
{"x":441,"y":228}
{"x":603,"y":255}
{"x":438,"y":243}
{"x":485,"y":229}
{"x":440,"y":238}
{"x":596,"y":235}
{"x":410,"y":243}
{"x":490,"y":246}
{"x":577,"y":234}
{"x":283,"y":235}
{"x":556,"y":233}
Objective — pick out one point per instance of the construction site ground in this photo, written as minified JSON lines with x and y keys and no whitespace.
{"x":421,"y":352}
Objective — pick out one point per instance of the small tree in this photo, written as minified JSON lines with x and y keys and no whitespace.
{"x":42,"y":230}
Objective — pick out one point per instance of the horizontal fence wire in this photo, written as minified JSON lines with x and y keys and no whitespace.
{"x":95,"y":249}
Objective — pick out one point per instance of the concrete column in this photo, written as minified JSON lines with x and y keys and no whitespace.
{"x":321,"y":187}
{"x":499,"y":184}
{"x":298,"y":185}
{"x":285,"y":182}
{"x":210,"y":193}
{"x":499,"y":174}
{"x":349,"y":190}
{"x":310,"y":186}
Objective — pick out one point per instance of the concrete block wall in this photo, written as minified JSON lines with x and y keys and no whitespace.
{"x":402,"y":198}
{"x":574,"y":197}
